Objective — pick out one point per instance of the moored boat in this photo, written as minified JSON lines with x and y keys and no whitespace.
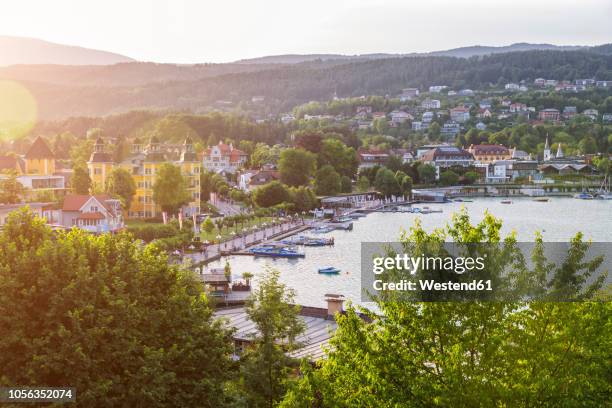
{"x":329,"y":270}
{"x":506,"y":202}
{"x":541,"y":200}
{"x":583,"y":196}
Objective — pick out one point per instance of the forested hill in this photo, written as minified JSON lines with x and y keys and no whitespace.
{"x":288,"y":85}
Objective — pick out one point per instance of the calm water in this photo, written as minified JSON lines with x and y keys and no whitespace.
{"x":558,"y":220}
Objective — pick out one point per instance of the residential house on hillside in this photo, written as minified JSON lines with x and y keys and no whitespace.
{"x":460,"y":114}
{"x":224,"y":157}
{"x":569,"y":112}
{"x":489,"y":153}
{"x":591,"y":113}
{"x":371,"y":157}
{"x":552,"y":115}
{"x":260,"y":178}
{"x":398,"y":117}
{"x":408,"y":94}
{"x":431,"y":104}
{"x":450,"y":130}
{"x":517,"y":107}
{"x":97,"y":214}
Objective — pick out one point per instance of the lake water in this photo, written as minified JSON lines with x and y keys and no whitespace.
{"x":558,"y":219}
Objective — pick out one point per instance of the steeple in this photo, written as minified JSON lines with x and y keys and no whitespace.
{"x":559,"y":151}
{"x":547,"y":155}
{"x":99,"y":146}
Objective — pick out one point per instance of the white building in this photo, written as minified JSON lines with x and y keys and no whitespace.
{"x":224,"y":158}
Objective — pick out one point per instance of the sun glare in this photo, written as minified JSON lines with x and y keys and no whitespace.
{"x":18,"y":110}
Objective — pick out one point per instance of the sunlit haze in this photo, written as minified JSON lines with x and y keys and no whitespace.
{"x":186,"y":31}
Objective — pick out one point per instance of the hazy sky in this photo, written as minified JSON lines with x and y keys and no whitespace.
{"x":185,"y":31}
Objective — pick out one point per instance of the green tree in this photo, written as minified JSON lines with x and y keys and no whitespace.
{"x":406,"y":186}
{"x":265,"y":366}
{"x":327,"y":181}
{"x":296,"y":166}
{"x":304,"y":198}
{"x":363,"y":184}
{"x":271,"y":194}
{"x":588,"y":145}
{"x":427,"y":173}
{"x":108,"y":317}
{"x":386,"y":183}
{"x":346,"y":184}
{"x":170,"y":189}
{"x":341,"y":157}
{"x":476,"y":354}
{"x":449,"y":178}
{"x":208,"y":225}
{"x":11,"y":190}
{"x":120,"y":183}
{"x":81,"y":182}
{"x":471,"y":177}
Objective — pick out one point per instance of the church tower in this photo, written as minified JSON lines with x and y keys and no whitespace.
{"x":547,"y":154}
{"x":559,"y":151}
{"x":100,"y":165}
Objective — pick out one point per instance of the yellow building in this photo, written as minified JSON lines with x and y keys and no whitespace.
{"x":489,"y":153}
{"x":39,"y":160}
{"x":144,"y":165}
{"x":100,"y":166}
{"x":36,"y":170}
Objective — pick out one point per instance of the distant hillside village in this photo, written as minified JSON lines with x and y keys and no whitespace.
{"x":388,"y":145}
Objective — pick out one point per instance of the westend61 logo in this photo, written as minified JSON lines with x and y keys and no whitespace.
{"x":503,"y":271}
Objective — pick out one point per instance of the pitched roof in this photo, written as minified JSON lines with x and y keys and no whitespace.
{"x":74,"y":202}
{"x":96,"y":215}
{"x":39,"y":150}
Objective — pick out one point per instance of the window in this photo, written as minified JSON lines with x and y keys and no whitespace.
{"x":147,"y":170}
{"x":97,"y":171}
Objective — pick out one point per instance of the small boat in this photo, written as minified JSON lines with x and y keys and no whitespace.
{"x":583,"y":196}
{"x":541,"y":200}
{"x":276,"y":252}
{"x":330,"y":270}
{"x":323,"y":229}
{"x":506,"y":202}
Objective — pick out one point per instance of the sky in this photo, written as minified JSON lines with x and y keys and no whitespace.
{"x":195,"y":31}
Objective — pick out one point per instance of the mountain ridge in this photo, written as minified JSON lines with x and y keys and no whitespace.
{"x":32,"y":51}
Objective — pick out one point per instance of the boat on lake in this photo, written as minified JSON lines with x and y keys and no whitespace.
{"x":308,"y":241}
{"x":274,"y":251}
{"x":506,"y":202}
{"x":323,"y":229}
{"x":583,"y":196}
{"x":541,"y":200}
{"x":330,"y":270}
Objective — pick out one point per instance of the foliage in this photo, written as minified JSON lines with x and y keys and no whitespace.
{"x":327,"y":181}
{"x":121,"y":184}
{"x":449,"y":178}
{"x":466,"y":354}
{"x":271,"y":194}
{"x":170,"y":188}
{"x":265,"y":366}
{"x":386,"y":183}
{"x":427,"y":173}
{"x":304,"y":199}
{"x":107,"y":317}
{"x":11,"y":190}
{"x":363,"y":184}
{"x":341,"y":157}
{"x":81,"y":182}
{"x":296,"y":166}
{"x":346,"y":184}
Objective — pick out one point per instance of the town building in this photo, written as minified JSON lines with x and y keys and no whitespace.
{"x":144,"y":164}
{"x":489,"y":153}
{"x":224,"y":157}
{"x":92,"y":213}
{"x":448,"y":156}
{"x":259,"y":178}
{"x":591,"y":113}
{"x":36,"y":170}
{"x":517,"y":107}
{"x":450,"y":129}
{"x":371,"y":157}
{"x":512,"y":87}
{"x":569,"y":112}
{"x":460,"y":114}
{"x":398,"y":117}
{"x":408,"y":94}
{"x":552,"y":115}
{"x":437,"y":88}
{"x":431,"y":104}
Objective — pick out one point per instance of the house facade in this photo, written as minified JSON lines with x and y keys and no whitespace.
{"x":96,"y":214}
{"x":224,"y":157}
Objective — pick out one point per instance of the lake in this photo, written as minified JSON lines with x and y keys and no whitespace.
{"x":558,"y":220}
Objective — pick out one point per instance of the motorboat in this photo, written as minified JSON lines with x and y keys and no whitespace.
{"x":506,"y":202}
{"x":276,"y":252}
{"x":541,"y":200}
{"x":583,"y":196}
{"x":329,"y":270}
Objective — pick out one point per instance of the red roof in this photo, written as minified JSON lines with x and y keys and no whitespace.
{"x":488,"y":149}
{"x":39,"y":150}
{"x":74,"y":202}
{"x":96,"y":215}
